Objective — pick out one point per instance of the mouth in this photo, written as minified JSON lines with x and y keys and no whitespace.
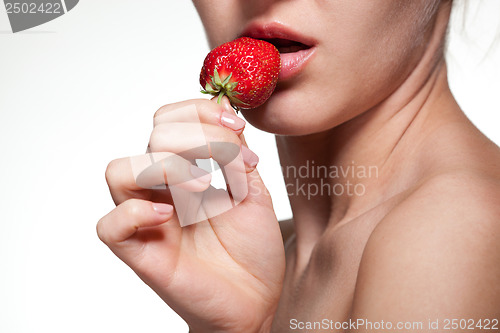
{"x":295,"y":49}
{"x":286,"y":45}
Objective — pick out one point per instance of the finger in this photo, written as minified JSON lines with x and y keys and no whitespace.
{"x":229,"y":109}
{"x":212,"y":202}
{"x":157,"y":170}
{"x":201,"y":111}
{"x":209,"y":141}
{"x":121,"y":182}
{"x":127,"y":218}
{"x":196,"y":141}
{"x":134,"y":177}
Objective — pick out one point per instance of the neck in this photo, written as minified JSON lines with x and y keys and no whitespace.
{"x":339,"y":174}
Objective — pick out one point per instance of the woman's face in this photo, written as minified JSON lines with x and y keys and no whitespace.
{"x":339,"y":57}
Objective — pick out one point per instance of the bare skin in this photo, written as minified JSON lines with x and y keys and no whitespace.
{"x":419,"y":244}
{"x":429,"y":245}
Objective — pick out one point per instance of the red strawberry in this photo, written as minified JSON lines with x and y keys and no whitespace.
{"x":245,"y":70}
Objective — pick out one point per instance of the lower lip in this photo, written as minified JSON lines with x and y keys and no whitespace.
{"x":293,"y":63}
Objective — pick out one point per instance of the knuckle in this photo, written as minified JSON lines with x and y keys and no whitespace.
{"x":203,"y":107}
{"x":132,"y":208}
{"x":164,"y":109}
{"x":100,"y":231}
{"x":155,"y":139}
{"x":110,"y":172}
{"x":230,"y":136}
{"x":207,"y":106}
{"x":198,"y":103}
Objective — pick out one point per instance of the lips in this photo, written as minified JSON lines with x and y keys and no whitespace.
{"x":295,"y":49}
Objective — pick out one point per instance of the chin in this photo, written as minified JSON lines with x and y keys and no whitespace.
{"x":289,"y":112}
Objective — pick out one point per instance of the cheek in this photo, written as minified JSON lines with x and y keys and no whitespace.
{"x":222,"y":20}
{"x":308,"y":107}
{"x":330,"y":92}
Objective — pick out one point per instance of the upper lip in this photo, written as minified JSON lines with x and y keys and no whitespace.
{"x":274,"y":31}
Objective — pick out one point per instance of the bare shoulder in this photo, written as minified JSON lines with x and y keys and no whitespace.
{"x":437,"y":253}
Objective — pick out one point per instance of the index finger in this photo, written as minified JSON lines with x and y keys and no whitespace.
{"x":201,"y":111}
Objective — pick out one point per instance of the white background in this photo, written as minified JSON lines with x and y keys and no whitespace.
{"x":80,"y":91}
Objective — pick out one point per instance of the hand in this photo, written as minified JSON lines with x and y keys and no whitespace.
{"x":223,"y":274}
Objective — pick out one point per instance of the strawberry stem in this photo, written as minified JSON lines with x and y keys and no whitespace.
{"x":221,"y":94}
{"x":220,"y":87}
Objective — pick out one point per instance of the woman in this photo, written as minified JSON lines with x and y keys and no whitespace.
{"x":364,"y":87}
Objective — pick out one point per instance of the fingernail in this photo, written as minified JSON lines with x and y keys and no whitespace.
{"x":162,"y":208}
{"x":231,"y":121}
{"x":200,"y":175}
{"x":249,"y":157}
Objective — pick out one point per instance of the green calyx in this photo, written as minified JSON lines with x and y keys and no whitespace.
{"x":219,"y":87}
